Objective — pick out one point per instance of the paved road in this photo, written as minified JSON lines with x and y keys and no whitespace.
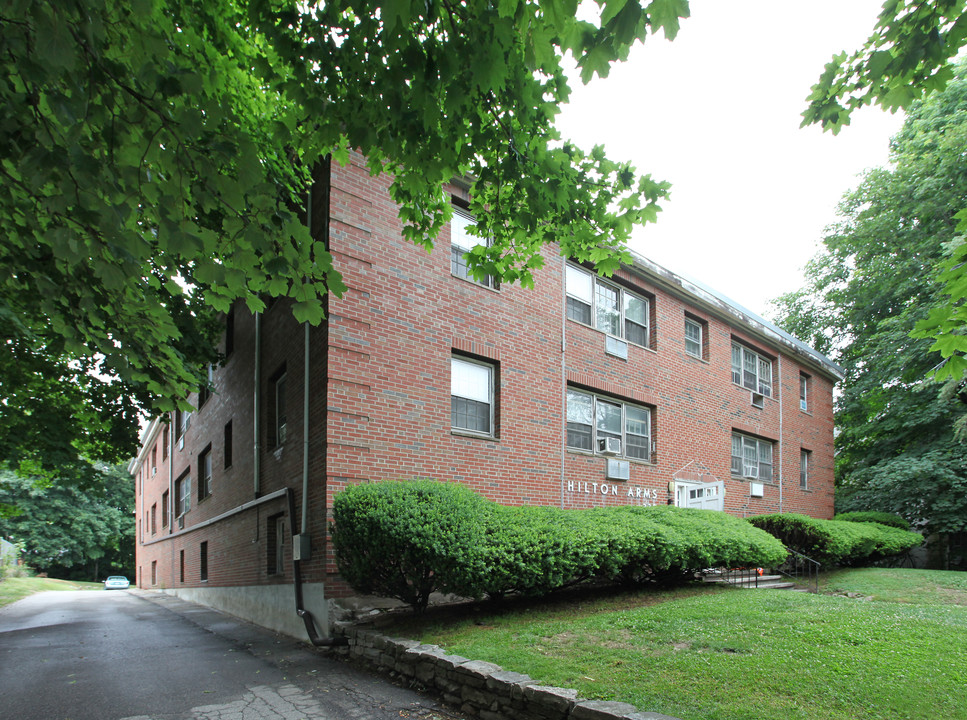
{"x":147,"y":656}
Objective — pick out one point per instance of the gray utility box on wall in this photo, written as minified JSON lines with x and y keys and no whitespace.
{"x":301,"y":547}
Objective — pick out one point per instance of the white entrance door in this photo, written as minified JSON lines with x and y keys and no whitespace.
{"x":704,"y":496}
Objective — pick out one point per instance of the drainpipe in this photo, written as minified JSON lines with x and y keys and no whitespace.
{"x":171,"y":474}
{"x":256,"y":465}
{"x":563,"y":372}
{"x":781,"y":444}
{"x":303,"y":527}
{"x":306,"y":616}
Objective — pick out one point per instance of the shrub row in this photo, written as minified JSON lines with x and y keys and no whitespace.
{"x":837,"y":542}
{"x":884,"y":518}
{"x":411,"y":538}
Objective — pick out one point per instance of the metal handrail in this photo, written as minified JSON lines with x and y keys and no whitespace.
{"x":801,"y":570}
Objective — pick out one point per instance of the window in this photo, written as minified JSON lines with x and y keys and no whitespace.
{"x":154,"y":519}
{"x":275,"y":544}
{"x":462,"y":242}
{"x":751,"y":457}
{"x":803,"y":392}
{"x":602,"y":425}
{"x":695,"y":331}
{"x":472,"y":396}
{"x":606,"y":307}
{"x":751,"y":370}
{"x":182,"y":495}
{"x":205,"y":473}
{"x":277,"y":421}
{"x":804,"y":458}
{"x":205,"y":391}
{"x":154,"y":572}
{"x":181,"y":565}
{"x":228,"y":444}
{"x":164,"y":442}
{"x":164,"y":509}
{"x":154,"y":459}
{"x":203,"y":561}
{"x":182,"y":421}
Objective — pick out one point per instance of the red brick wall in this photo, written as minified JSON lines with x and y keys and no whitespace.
{"x":379,"y":399}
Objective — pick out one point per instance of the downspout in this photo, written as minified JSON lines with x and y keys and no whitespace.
{"x":306,"y":616}
{"x":563,"y":372}
{"x":171,"y":475}
{"x":305,"y":436}
{"x":256,"y":465}
{"x":781,"y":444}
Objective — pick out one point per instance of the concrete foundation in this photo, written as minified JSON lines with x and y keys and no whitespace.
{"x":271,"y":606}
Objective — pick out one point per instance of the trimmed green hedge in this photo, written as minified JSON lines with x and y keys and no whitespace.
{"x":406,"y":539}
{"x":884,"y":518}
{"x":837,"y":542}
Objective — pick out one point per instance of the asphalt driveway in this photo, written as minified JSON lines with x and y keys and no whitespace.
{"x":134,"y":655}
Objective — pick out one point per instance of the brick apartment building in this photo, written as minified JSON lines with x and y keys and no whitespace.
{"x":639,"y":389}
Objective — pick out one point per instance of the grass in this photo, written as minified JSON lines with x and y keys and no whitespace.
{"x":13,"y":589}
{"x":896,"y":648}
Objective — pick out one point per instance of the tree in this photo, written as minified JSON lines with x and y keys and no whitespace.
{"x":69,"y":532}
{"x":155,"y":157}
{"x":909,"y":54}
{"x":875,"y":279}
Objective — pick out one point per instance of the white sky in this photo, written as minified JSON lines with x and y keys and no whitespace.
{"x":716,"y":112}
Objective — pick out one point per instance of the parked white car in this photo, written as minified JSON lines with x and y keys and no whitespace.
{"x":116,"y":582}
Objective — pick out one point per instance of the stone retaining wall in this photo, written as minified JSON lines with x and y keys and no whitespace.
{"x":478,"y":689}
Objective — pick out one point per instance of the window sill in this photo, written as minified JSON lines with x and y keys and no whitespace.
{"x":602,"y":332}
{"x":742,"y":478}
{"x":475,"y":436}
{"x":588,"y":453}
{"x":743,"y":388}
{"x":700,"y":359}
{"x":493,"y":288}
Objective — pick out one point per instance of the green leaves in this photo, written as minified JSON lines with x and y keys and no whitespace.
{"x":875,"y":300}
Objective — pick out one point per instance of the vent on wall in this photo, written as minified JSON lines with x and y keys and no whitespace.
{"x":618,"y":470}
{"x":758,"y":400}
{"x":616,"y":346}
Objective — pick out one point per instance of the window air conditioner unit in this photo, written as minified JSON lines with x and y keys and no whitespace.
{"x":758,"y":400}
{"x":609,"y":446}
{"x":154,"y":470}
{"x":181,"y":443}
{"x":755,"y":490}
{"x":181,"y":522}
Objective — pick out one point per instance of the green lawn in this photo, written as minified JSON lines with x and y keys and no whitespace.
{"x":896,"y":649}
{"x":13,"y":589}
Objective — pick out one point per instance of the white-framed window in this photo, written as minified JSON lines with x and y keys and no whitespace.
{"x":205,"y":391}
{"x":751,"y":370}
{"x":606,"y":307}
{"x":751,"y":457}
{"x":694,"y":339}
{"x":803,"y":392}
{"x":182,"y":422}
{"x":602,"y":425}
{"x":804,"y":462}
{"x":277,"y":427}
{"x":462,"y":242}
{"x":205,"y":473}
{"x":472,"y":394}
{"x":182,"y":495}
